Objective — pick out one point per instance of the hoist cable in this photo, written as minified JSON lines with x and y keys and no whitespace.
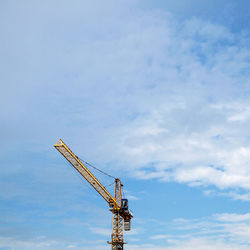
{"x":96,"y":168}
{"x":110,"y":185}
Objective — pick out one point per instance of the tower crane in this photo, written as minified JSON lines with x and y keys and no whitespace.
{"x":117,"y":204}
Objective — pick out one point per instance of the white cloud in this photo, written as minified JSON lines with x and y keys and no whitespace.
{"x":233,"y":217}
{"x":216,"y":154}
{"x":36,"y":244}
{"x":199,"y":243}
{"x":159,"y":236}
{"x":168,"y":98}
{"x":101,"y":231}
{"x":220,"y":231}
{"x":131,"y":197}
{"x":227,"y":231}
{"x":130,"y":90}
{"x":41,"y":243}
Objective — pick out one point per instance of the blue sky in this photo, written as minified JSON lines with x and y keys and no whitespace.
{"x":154,"y":92}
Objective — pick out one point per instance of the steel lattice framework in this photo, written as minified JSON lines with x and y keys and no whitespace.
{"x":120,"y":212}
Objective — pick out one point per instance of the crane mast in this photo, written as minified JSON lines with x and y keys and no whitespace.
{"x":118,"y":205}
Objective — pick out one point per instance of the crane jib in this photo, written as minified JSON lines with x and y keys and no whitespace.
{"x":84,"y":171}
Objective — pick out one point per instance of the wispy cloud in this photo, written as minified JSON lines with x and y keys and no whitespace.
{"x":199,"y":243}
{"x":134,"y":90}
{"x":229,"y":228}
{"x":168,"y":93}
{"x":41,"y":243}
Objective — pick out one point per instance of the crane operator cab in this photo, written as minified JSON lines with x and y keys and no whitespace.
{"x":125,"y":204}
{"x":127,"y":216}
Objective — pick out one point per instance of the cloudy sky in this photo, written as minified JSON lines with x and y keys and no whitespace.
{"x":153,"y":91}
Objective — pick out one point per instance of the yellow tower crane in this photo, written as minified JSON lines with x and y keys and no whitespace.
{"x":118,"y":205}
